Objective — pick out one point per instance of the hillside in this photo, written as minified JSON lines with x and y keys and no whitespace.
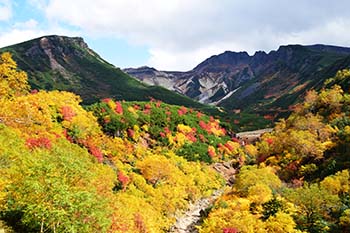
{"x":264,"y":83}
{"x":300,"y":180}
{"x":65,"y":63}
{"x":119,"y":166}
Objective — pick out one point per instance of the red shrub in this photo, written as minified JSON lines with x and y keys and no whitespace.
{"x":223,"y":131}
{"x":34,"y":91}
{"x":147,"y":111}
{"x":234,"y":139}
{"x":118,"y":108}
{"x":191,"y":137}
{"x":182,"y":111}
{"x":67,"y":113}
{"x":131,"y":133}
{"x":42,"y":142}
{"x":96,"y":152}
{"x":203,"y":125}
{"x":106,"y":100}
{"x":199,"y":115}
{"x":230,"y":230}
{"x":123,"y":179}
{"x":135,"y":106}
{"x":166,"y":130}
{"x":228,"y":146}
{"x":269,"y":141}
{"x":211,"y":152}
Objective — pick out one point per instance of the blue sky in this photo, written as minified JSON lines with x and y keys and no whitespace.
{"x":29,"y":20}
{"x":177,"y":34}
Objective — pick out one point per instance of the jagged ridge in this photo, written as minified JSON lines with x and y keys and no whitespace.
{"x":267,"y":83}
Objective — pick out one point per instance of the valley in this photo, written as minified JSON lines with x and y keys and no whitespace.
{"x":86,"y":147}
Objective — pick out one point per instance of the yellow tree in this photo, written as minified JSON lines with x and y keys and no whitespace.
{"x":12,"y":81}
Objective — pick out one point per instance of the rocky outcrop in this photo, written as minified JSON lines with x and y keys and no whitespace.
{"x":47,"y":47}
{"x":227,"y":171}
{"x":264,"y":82}
{"x":208,"y":83}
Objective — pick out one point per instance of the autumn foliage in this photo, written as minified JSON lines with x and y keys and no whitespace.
{"x":119,"y":166}
{"x":66,"y":169}
{"x":309,"y":152}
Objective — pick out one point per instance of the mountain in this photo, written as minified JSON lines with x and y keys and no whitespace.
{"x":66,"y":63}
{"x":265,"y":83}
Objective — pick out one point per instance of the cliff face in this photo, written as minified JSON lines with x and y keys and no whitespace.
{"x":268,"y":82}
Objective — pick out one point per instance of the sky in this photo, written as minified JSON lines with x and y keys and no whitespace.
{"x":177,"y":34}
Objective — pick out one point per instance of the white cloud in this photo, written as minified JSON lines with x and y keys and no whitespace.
{"x":334,"y":32}
{"x":5,"y":10}
{"x":39,"y":4}
{"x":15,"y":36}
{"x":184,"y":60}
{"x":29,"y":24}
{"x":23,"y":31}
{"x":178,"y":32}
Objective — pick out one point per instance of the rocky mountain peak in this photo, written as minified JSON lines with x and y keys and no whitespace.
{"x":55,"y":39}
{"x":235,"y":80}
{"x":227,"y":58}
{"x":142,"y":69}
{"x":260,"y":53}
{"x":60,"y":46}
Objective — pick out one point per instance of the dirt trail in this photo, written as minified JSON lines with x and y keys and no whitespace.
{"x":191,"y":218}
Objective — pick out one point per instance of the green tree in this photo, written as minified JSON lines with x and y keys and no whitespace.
{"x":315,"y":206}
